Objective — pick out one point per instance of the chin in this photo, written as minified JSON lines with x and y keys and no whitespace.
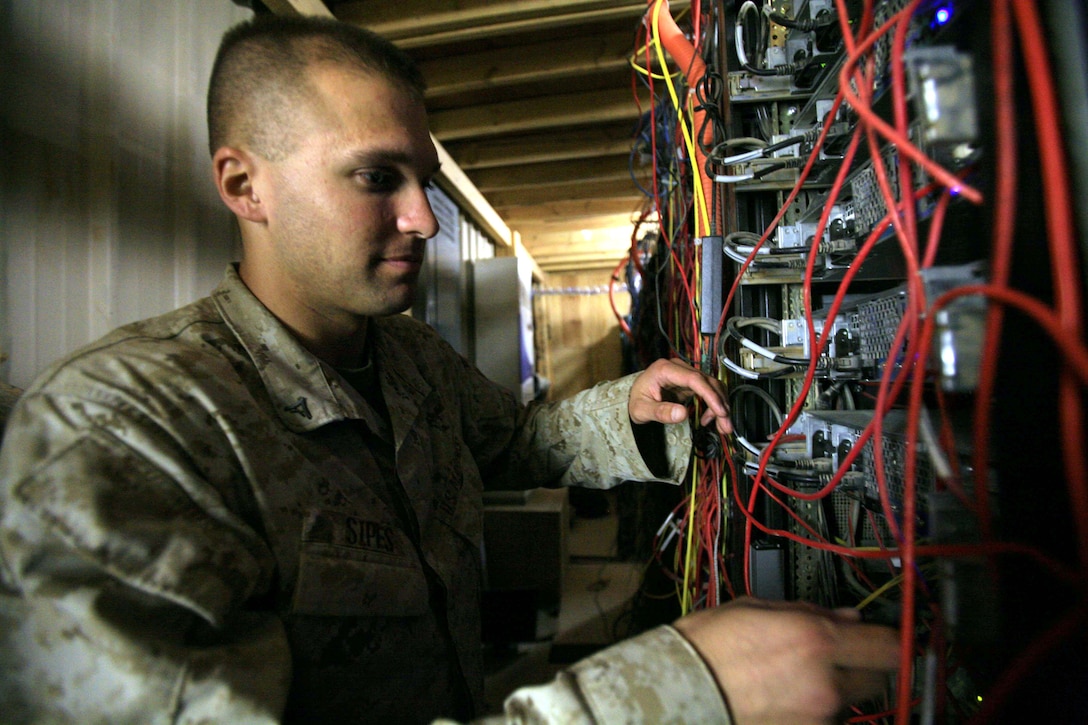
{"x":396,"y":304}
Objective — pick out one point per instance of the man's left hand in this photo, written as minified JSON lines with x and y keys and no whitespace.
{"x":661,"y":391}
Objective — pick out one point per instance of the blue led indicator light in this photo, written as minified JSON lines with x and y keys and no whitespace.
{"x":943,"y":16}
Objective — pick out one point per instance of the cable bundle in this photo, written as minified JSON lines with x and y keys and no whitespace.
{"x":885,"y":557}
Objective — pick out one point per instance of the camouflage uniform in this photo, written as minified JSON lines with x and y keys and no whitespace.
{"x":202,"y":520}
{"x":656,"y":677}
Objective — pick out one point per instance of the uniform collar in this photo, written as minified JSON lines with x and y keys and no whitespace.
{"x":404,"y":387}
{"x":305,"y":391}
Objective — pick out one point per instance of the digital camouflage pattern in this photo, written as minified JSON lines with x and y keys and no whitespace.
{"x":656,"y":677}
{"x":195,"y":524}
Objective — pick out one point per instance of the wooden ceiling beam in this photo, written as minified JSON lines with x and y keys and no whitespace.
{"x":576,"y":244}
{"x":526,"y":64}
{"x":421,"y":23}
{"x":570,"y":109}
{"x":566,"y":192}
{"x":543,"y":228}
{"x":553,"y":173}
{"x":613,"y":237}
{"x":580,"y":257}
{"x":298,"y":7}
{"x":579,"y":252}
{"x":558,"y":145}
{"x":603,"y":267}
{"x":577,"y":211}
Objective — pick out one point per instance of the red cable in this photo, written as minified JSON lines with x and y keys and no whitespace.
{"x":832,"y":311}
{"x":612,"y":300}
{"x":902,"y":123}
{"x":1005,"y":173}
{"x":871,"y":119}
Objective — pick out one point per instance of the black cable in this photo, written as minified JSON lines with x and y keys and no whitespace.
{"x":806,"y":137}
{"x":769,"y":169}
{"x":658,"y":273}
{"x":782,"y":70}
{"x":708,"y":94}
{"x":733,"y":330}
{"x":806,"y":26}
{"x":794,"y":163}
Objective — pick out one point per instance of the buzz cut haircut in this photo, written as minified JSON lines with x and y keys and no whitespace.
{"x":260,"y":76}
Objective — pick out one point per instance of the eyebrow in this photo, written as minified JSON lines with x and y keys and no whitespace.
{"x":386,"y":156}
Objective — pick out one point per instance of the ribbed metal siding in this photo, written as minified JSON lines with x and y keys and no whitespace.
{"x":107,"y":211}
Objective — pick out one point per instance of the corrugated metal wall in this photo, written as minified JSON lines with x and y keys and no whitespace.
{"x":107,"y":211}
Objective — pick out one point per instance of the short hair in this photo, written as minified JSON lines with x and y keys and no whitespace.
{"x":260,"y":76}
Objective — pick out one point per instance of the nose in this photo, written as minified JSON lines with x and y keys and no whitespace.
{"x":416,"y":217}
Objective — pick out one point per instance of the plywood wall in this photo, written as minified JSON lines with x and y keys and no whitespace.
{"x":580,"y":330}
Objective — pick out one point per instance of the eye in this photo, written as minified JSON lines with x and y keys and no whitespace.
{"x":380,"y":180}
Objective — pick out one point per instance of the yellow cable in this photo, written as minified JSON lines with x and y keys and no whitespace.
{"x":645,"y":71}
{"x":876,"y":595}
{"x":639,"y":51}
{"x":842,"y":542}
{"x":701,"y":212}
{"x":723,"y":536}
{"x":696,"y":309}
{"x":690,"y":555}
{"x":700,"y":202}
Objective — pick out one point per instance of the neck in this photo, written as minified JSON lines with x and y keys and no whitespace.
{"x":339,"y":351}
{"x":340,"y":342}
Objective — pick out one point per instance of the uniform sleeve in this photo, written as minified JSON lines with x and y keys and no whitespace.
{"x":595,"y":425}
{"x":656,"y":677}
{"x":124,"y":576}
{"x":586,"y":440}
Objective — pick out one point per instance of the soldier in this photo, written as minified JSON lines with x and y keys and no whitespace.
{"x":266,"y":505}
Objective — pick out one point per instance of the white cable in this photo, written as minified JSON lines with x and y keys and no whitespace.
{"x":769,"y":324}
{"x":723,"y":179}
{"x":765,"y":323}
{"x":741,"y":158}
{"x":758,"y":349}
{"x":747,"y":249}
{"x":738,"y":258}
{"x":743,"y":372}
{"x":672,"y":526}
{"x":738,"y":30}
{"x":750,"y":447}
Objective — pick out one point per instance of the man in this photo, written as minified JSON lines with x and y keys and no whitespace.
{"x":267,"y":504}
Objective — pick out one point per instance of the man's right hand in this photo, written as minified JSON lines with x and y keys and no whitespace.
{"x":791,"y":662}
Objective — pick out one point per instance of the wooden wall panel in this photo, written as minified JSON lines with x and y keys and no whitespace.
{"x":582,"y":333}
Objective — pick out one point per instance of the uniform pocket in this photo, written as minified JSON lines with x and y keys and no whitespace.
{"x":354,"y":567}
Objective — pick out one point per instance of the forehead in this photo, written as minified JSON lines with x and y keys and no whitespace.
{"x":360,"y":108}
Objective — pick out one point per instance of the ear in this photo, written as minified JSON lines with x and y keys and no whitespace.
{"x":234,"y":174}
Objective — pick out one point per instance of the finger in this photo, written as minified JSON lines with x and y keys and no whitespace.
{"x":682,"y":381}
{"x":709,"y":390}
{"x":847,"y":614}
{"x":668,"y":412}
{"x":866,"y":646}
{"x":723,"y":424}
{"x":778,"y":604}
{"x":855,"y":685}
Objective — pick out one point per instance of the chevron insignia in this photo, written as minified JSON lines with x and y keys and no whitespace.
{"x":301,"y":408}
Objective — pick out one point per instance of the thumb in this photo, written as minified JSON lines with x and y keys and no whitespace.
{"x":669,"y":412}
